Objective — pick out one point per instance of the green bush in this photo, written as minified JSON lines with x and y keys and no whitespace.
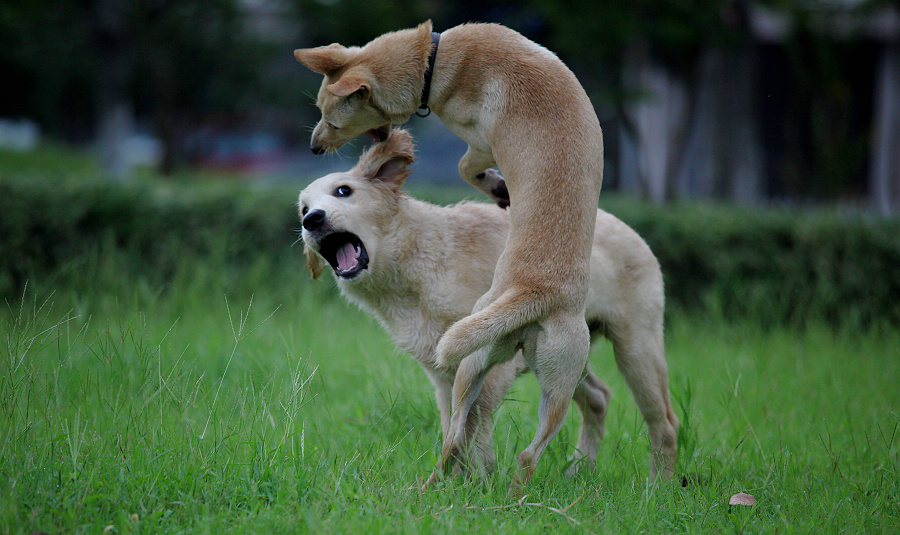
{"x":102,"y":235}
{"x":772,"y":266}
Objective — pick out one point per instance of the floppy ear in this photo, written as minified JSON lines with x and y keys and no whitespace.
{"x":323,"y":59}
{"x":349,"y":84}
{"x":388,"y":161}
{"x":313,"y":262}
{"x":393,"y":171}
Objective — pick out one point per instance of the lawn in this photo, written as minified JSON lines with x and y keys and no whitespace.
{"x":290,"y":411}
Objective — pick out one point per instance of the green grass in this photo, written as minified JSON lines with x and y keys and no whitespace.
{"x":192,"y":411}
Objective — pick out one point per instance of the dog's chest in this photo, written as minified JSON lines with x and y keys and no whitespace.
{"x":410,"y":325}
{"x":415,"y":332}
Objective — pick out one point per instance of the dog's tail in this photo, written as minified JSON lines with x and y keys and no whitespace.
{"x":512,"y":310}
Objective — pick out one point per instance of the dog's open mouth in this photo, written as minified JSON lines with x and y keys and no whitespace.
{"x":379,"y":134}
{"x":346,"y":254}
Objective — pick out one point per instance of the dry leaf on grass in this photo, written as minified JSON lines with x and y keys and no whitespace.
{"x":742,"y":498}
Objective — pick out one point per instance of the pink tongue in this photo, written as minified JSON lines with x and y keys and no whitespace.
{"x":347,"y":257}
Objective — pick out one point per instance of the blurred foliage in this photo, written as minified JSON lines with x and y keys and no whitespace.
{"x":176,"y":62}
{"x":356,"y":22}
{"x":596,"y":34}
{"x":189,"y":63}
{"x":774,"y":267}
{"x":815,"y":130}
{"x":825,"y":135}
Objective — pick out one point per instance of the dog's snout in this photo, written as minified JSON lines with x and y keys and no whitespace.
{"x":317,"y":149}
{"x":314,"y":220}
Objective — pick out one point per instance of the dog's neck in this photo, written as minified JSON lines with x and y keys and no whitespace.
{"x":424,"y":110}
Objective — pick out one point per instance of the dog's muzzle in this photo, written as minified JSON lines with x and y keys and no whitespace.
{"x":346,"y":254}
{"x":344,"y":251}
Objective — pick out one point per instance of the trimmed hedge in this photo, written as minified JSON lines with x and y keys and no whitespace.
{"x":775,"y":266}
{"x":63,"y":232}
{"x":772,"y":266}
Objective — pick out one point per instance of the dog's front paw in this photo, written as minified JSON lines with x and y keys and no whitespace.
{"x":493,"y":185}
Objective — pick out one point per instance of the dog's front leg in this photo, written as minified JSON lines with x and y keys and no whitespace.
{"x":480,"y":460}
{"x":442,"y":395}
{"x":476,"y":168}
{"x":469,"y":379}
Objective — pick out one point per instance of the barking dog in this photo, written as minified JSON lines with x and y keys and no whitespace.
{"x":419,"y":268}
{"x":521,"y":109}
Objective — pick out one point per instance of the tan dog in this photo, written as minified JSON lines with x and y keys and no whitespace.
{"x":521,"y":109}
{"x":418,"y":268}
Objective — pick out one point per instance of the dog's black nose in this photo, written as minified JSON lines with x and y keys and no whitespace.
{"x":317,"y":149}
{"x":314,"y":220}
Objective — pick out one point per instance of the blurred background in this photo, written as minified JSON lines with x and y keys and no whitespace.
{"x":758,"y":102}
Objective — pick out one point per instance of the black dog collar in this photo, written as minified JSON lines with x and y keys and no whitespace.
{"x":424,"y":110}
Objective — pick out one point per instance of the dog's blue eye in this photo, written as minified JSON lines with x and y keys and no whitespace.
{"x":343,"y":191}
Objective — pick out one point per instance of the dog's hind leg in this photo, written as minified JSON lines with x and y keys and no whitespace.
{"x":641,"y":360}
{"x":592,"y":398}
{"x":558,"y":354}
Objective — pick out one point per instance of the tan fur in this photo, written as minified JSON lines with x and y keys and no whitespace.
{"x":520,"y":109}
{"x":429,"y":265}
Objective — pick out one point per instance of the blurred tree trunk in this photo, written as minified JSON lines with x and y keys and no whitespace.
{"x":165,"y":116}
{"x":654,"y":126}
{"x":694,"y":138}
{"x":115,"y":121}
{"x":723,"y":156}
{"x":115,"y":125}
{"x":884,"y":180}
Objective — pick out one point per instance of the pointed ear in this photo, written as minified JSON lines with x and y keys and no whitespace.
{"x":389,"y":160}
{"x":323,"y":59}
{"x":313,"y":262}
{"x":349,"y":84}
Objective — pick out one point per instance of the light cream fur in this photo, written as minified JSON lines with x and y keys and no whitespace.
{"x":520,"y":109}
{"x":428,"y":265}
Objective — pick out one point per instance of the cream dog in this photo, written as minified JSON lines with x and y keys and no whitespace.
{"x":520,"y":108}
{"x":418,"y":268}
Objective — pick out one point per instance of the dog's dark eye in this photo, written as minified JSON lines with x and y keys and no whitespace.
{"x":304,"y":210}
{"x":343,"y":191}
{"x":332,"y":126}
